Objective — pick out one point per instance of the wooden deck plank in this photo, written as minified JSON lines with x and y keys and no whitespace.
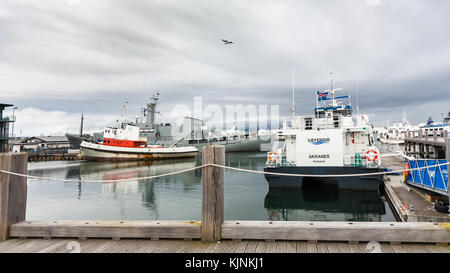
{"x":281,"y":247}
{"x":251,"y":247}
{"x":416,"y":248}
{"x":211,"y":247}
{"x":196,"y":246}
{"x":60,"y":246}
{"x":311,"y":247}
{"x":193,"y":246}
{"x":435,"y":249}
{"x":354,"y":248}
{"x":240,"y":248}
{"x":183,"y":247}
{"x":261,"y":247}
{"x":332,"y":247}
{"x":222,"y":246}
{"x":387,"y":248}
{"x":114,"y":247}
{"x":301,"y":247}
{"x":322,"y":247}
{"x":343,"y":248}
{"x":10,"y":244}
{"x":205,"y":247}
{"x":397,"y":248}
{"x":98,"y":247}
{"x":135,"y":246}
{"x":291,"y":247}
{"x":32,"y":246}
{"x":271,"y":247}
{"x":231,"y":247}
{"x":363,"y":248}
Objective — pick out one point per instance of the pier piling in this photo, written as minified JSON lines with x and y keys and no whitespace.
{"x":13,"y":191}
{"x":212,"y":193}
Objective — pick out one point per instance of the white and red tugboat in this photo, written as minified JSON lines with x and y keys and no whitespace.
{"x":123,"y":143}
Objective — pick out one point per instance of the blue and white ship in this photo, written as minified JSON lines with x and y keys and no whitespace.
{"x":331,"y":141}
{"x":439,"y":127}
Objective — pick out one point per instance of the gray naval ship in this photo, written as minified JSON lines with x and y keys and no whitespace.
{"x":75,"y":140}
{"x":193,"y":133}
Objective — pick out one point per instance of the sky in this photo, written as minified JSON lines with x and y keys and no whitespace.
{"x":60,"y":59}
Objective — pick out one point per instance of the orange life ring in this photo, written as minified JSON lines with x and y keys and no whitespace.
{"x":372,"y":151}
{"x":407,"y":169}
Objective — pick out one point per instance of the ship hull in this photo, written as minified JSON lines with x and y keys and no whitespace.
{"x":364,"y":183}
{"x":75,"y":140}
{"x":99,"y":152}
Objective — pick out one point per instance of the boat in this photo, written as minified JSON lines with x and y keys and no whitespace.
{"x":439,"y":127}
{"x":75,"y":140}
{"x":233,"y":140}
{"x":193,"y":132}
{"x":330,"y":142}
{"x":124,"y":143}
{"x":395,"y":134}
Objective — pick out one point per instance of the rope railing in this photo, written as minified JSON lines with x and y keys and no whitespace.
{"x":225,"y":167}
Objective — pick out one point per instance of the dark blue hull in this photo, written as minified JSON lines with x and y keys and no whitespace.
{"x":364,"y":183}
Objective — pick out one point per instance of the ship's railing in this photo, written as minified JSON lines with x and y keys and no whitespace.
{"x":358,"y":160}
{"x":280,"y":162}
{"x":325,"y":122}
{"x":8,"y":119}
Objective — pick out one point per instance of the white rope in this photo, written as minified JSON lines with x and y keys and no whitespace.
{"x":225,"y":167}
{"x":101,"y":181}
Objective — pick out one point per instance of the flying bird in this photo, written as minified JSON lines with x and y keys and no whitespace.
{"x":227,"y":42}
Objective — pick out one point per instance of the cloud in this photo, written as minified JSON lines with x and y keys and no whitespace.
{"x":89,"y":57}
{"x":34,"y":122}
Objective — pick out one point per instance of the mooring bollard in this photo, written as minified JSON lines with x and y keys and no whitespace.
{"x":13,"y":191}
{"x":212,"y":193}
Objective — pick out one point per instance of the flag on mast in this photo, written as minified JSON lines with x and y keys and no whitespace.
{"x":322,"y":96}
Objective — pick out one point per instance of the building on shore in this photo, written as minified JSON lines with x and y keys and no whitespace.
{"x":41,"y":144}
{"x":5,"y":133}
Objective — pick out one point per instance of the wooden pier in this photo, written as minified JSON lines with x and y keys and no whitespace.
{"x":417,"y":142}
{"x":54,"y":157}
{"x":140,"y":236}
{"x":196,"y":246}
{"x":410,"y":203}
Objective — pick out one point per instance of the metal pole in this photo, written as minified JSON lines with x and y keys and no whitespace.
{"x":14,"y":121}
{"x":447,"y":156}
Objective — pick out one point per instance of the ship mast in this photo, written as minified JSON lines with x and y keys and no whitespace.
{"x":81,"y":125}
{"x":293,"y":88}
{"x":333,"y":91}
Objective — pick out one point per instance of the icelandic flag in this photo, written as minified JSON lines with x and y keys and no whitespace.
{"x":321,"y":96}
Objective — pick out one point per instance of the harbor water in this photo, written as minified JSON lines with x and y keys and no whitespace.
{"x":178,"y":197}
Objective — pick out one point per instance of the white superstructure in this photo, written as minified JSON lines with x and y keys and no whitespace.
{"x":331,"y":137}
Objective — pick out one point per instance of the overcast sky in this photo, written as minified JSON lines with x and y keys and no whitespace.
{"x":59,"y":59}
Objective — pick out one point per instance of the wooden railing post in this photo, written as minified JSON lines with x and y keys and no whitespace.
{"x":212,"y":193}
{"x":13,"y":191}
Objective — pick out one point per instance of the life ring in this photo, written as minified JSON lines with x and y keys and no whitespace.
{"x":406,"y":169}
{"x":372,"y":158}
{"x":273,"y":156}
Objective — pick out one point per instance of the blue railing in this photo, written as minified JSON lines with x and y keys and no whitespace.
{"x":434,"y":179}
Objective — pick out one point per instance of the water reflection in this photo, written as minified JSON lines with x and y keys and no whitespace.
{"x":319,"y":204}
{"x":178,"y":197}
